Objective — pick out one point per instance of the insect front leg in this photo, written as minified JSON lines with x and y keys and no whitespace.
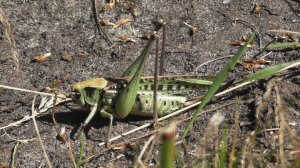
{"x":91,"y":115}
{"x":87,"y":120}
{"x":88,"y":96}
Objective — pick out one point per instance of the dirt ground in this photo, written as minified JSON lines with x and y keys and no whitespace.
{"x":79,"y":51}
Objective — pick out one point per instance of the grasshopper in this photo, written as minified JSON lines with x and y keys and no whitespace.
{"x":132,"y":94}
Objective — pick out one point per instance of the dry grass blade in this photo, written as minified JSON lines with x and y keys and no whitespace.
{"x":8,"y":33}
{"x":45,"y":104}
{"x":198,"y":67}
{"x":280,"y":112}
{"x":285,"y":31}
{"x":121,"y":22}
{"x":71,"y":153}
{"x":232,"y":155}
{"x":19,"y":140}
{"x":164,"y":118}
{"x":140,"y":160}
{"x":33,"y":91}
{"x":38,"y":133}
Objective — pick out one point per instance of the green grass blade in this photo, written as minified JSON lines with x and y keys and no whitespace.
{"x":82,"y":149}
{"x":14,"y":155}
{"x":221,"y":76}
{"x":283,"y":45}
{"x":266,"y":72}
{"x":168,"y":147}
{"x":195,"y":81}
{"x":224,"y":146}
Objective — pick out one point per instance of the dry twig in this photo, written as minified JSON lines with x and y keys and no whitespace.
{"x":38,"y":133}
{"x":45,"y":104}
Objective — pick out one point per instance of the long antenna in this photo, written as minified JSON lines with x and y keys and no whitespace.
{"x":155,"y":117}
{"x":163,"y":49}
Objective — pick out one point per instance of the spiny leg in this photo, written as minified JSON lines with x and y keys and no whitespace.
{"x":126,"y":99}
{"x":133,"y":68}
{"x":88,"y":96}
{"x":87,"y":120}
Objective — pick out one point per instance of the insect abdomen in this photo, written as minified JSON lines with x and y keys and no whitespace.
{"x":165,"y":104}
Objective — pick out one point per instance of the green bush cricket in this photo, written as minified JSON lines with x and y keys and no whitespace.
{"x":132,"y":94}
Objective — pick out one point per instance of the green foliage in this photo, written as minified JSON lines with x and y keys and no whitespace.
{"x":221,"y":76}
{"x":224,"y":147}
{"x":266,"y":72}
{"x":282,"y":46}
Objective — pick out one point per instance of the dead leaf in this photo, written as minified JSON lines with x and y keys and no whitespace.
{"x":257,"y":8}
{"x":251,"y":64}
{"x":48,"y":89}
{"x":106,"y":22}
{"x":238,"y":43}
{"x":108,"y":5}
{"x":241,"y":43}
{"x":125,"y":38}
{"x":121,"y":22}
{"x":193,"y":30}
{"x":4,"y":165}
{"x":41,"y":58}
{"x":145,"y":36}
{"x":133,"y":10}
{"x":287,"y":37}
{"x":62,"y":135}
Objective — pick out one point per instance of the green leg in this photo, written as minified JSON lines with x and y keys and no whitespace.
{"x":126,"y":99}
{"x":91,"y":115}
{"x":87,"y":120}
{"x":131,"y":71}
{"x":110,"y":116}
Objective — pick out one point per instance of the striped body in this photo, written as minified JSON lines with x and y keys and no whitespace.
{"x":171,"y":94}
{"x":144,"y":103}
